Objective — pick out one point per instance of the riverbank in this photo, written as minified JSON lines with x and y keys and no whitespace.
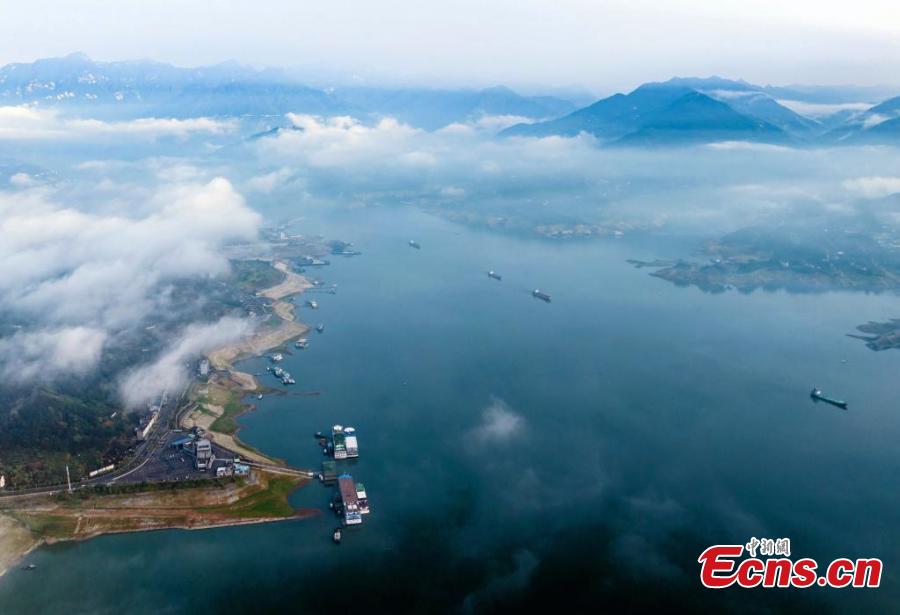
{"x":26,"y":523}
{"x":219,"y":402}
{"x":16,"y":541}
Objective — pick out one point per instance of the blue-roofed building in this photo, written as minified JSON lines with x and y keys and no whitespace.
{"x":180,"y":442}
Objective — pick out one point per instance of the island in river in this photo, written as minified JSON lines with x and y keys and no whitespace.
{"x":805,"y":259}
{"x":881,"y":335}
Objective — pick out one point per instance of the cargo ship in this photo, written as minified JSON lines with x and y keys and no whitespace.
{"x":349,"y":503}
{"x":817,"y":395}
{"x":493,"y":274}
{"x":311,"y":261}
{"x":537,"y":293}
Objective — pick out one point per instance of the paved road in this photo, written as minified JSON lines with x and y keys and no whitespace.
{"x":143,"y":452}
{"x":153,"y":461}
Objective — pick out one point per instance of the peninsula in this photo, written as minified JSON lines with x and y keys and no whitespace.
{"x":142,"y":494}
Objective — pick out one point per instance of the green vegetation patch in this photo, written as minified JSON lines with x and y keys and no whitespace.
{"x":253,"y":276}
{"x":48,"y":526}
{"x":271,"y":502}
{"x":227,"y":423}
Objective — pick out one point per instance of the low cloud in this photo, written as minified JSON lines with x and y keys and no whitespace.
{"x":33,"y":123}
{"x":22,"y":180}
{"x":874,"y":119}
{"x":170,"y":371}
{"x":520,"y":183}
{"x":819,"y":110}
{"x":338,"y":141}
{"x":48,"y":353}
{"x":270,"y":181}
{"x":499,"y":424}
{"x":65,"y":269}
{"x":748,"y":146}
{"x":343,"y":154}
{"x":873,"y":187}
{"x":490,"y":124}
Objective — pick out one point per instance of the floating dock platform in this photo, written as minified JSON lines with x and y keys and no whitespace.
{"x":349,"y":501}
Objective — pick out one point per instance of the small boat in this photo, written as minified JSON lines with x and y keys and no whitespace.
{"x":414,"y":244}
{"x":817,"y":395}
{"x":537,"y":293}
{"x":320,"y":327}
{"x":29,"y":567}
{"x":311,"y":304}
{"x":319,"y":435}
{"x":259,"y":396}
{"x":336,"y":536}
{"x":493,"y":274}
{"x":301,"y":343}
{"x":277,"y":357}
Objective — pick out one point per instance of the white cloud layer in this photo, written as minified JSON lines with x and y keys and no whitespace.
{"x":819,"y":110}
{"x":268,"y":182}
{"x":48,"y":353}
{"x":65,"y":271}
{"x":30,"y":123}
{"x":520,"y":182}
{"x":873,"y":187}
{"x":169,"y":371}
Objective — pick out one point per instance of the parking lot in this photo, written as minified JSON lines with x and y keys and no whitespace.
{"x":171,"y":463}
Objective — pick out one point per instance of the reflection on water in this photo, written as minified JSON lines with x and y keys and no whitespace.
{"x":517,"y":452}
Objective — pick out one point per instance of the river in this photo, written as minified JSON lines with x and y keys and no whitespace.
{"x":520,"y":453}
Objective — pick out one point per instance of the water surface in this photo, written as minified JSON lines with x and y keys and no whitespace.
{"x":517,"y":452}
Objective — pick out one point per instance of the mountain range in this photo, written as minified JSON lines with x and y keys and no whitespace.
{"x":685,"y":110}
{"x":145,"y":87}
{"x":681,"y":110}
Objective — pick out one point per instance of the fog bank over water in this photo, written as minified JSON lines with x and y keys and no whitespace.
{"x":463,"y":172}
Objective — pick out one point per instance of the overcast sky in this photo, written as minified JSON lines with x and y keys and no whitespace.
{"x":603,"y":45}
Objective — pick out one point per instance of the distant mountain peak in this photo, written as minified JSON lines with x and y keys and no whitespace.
{"x":680,"y":109}
{"x":713,"y":82}
{"x":78,"y":56}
